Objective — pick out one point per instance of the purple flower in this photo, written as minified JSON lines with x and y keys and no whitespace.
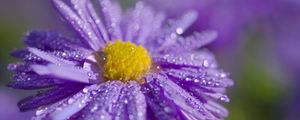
{"x":132,"y":65}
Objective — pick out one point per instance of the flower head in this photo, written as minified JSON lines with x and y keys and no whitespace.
{"x":134,"y":65}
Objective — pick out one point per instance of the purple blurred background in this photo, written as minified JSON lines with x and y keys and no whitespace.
{"x":259,"y":44}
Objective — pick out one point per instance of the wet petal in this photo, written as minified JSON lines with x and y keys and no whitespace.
{"x":48,"y":57}
{"x":33,"y":84}
{"x":201,"y":77}
{"x":81,"y":25}
{"x":169,"y":34}
{"x":196,"y":59}
{"x":143,"y":22}
{"x":218,"y":110}
{"x":190,"y":43}
{"x":86,"y":11}
{"x":133,"y":101}
{"x":104,"y":103}
{"x":160,"y":105}
{"x":65,"y":72}
{"x":112,"y":14}
{"x":67,"y":107}
{"x":49,"y":41}
{"x":181,"y":98}
{"x":115,"y":100}
{"x":49,"y":97}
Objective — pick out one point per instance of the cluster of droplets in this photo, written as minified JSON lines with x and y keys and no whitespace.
{"x":46,"y":40}
{"x":106,"y":101}
{"x":57,"y":110}
{"x":199,"y":59}
{"x":33,"y":58}
{"x":184,"y":100}
{"x":18,"y":67}
{"x":197,"y":40}
{"x":162,"y":106}
{"x":71,"y":55}
{"x":199,"y":76}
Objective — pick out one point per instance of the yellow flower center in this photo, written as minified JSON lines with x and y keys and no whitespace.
{"x":125,"y":61}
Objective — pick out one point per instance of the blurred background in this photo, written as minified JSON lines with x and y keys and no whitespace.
{"x":258,"y":44}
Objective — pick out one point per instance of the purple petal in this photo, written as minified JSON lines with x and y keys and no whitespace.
{"x":182,"y":98}
{"x":86,"y":11}
{"x":79,"y":24}
{"x":20,"y":53}
{"x":34,"y":55}
{"x":201,"y":84}
{"x":48,"y":97}
{"x":185,"y":22}
{"x":19,"y":67}
{"x":201,"y":78}
{"x":25,"y":76}
{"x":79,"y":56}
{"x":169,"y":34}
{"x":27,"y":56}
{"x":218,"y":110}
{"x":50,"y":58}
{"x":112,"y":14}
{"x":143,"y":22}
{"x":104,"y":104}
{"x":197,"y":59}
{"x":97,"y":21}
{"x":133,"y":101}
{"x":33,"y":84}
{"x":67,"y":107}
{"x":162,"y":107}
{"x":115,"y":100}
{"x":49,"y":41}
{"x":63,"y":72}
{"x":191,"y":43}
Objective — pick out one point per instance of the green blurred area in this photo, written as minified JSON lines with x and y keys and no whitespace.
{"x":10,"y":38}
{"x":258,"y":93}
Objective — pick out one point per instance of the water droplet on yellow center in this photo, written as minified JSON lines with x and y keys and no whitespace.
{"x":125,"y":61}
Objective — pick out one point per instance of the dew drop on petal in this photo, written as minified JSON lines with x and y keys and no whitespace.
{"x":224,"y":98}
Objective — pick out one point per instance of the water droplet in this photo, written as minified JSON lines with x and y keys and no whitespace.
{"x":94,"y":108}
{"x":125,"y":101}
{"x":205,"y":63}
{"x":85,"y":90}
{"x":209,"y":83}
{"x":224,"y":98}
{"x":102,"y":117}
{"x":71,"y":100}
{"x":179,"y":31}
{"x":12,"y":67}
{"x":217,"y":84}
{"x":223,"y":75}
{"x":188,"y":79}
{"x":39,"y":112}
{"x":167,"y":109}
{"x":94,"y":92}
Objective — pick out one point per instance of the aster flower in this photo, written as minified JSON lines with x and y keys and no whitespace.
{"x":133,"y":65}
